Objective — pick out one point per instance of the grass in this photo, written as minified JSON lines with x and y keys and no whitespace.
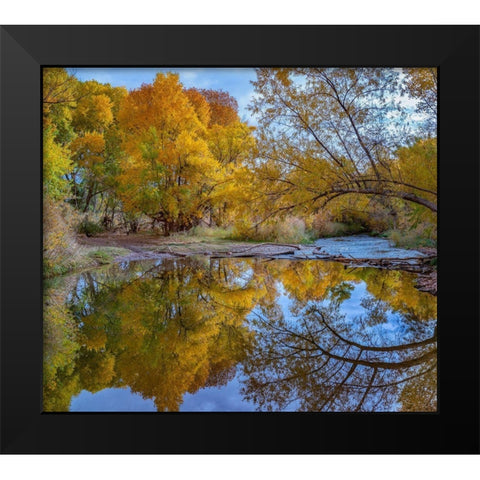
{"x":411,"y":239}
{"x":211,"y":233}
{"x":85,"y":257}
{"x":106,"y":255}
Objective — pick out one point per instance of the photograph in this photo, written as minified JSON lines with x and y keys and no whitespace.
{"x":239,"y":239}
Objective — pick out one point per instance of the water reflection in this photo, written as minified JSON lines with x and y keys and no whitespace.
{"x":240,"y":334}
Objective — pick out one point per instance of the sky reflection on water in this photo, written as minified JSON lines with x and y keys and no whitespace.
{"x":240,"y":335}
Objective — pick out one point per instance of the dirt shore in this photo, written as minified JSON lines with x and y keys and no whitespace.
{"x":145,"y":246}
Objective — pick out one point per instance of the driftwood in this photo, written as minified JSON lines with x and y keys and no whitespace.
{"x":244,"y":254}
{"x":421,"y":266}
{"x":296,"y":247}
{"x":404,"y":264}
{"x":409,"y":264}
{"x":170,"y":252}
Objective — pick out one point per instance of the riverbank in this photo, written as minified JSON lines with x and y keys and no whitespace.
{"x":355,"y":251}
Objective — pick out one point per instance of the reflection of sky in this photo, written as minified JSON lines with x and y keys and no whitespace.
{"x":395,"y":330}
{"x":351,"y":307}
{"x":235,"y":81}
{"x":217,"y":399}
{"x":111,"y":400}
{"x":212,"y":399}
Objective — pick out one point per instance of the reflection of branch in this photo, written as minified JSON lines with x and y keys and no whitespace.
{"x":367,"y":390}
{"x":399,"y":382}
{"x":338,"y":387}
{"x":392,"y":348}
{"x":235,"y":308}
{"x":358,"y":361}
{"x":293,"y":377}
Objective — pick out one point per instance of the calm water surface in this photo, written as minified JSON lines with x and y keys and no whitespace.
{"x":201,"y":334}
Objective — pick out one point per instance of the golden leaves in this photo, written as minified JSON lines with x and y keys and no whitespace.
{"x":88,"y":149}
{"x":93,"y":113}
{"x":177,"y":164}
{"x":56,"y":164}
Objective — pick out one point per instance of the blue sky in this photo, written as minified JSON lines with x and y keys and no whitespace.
{"x":235,"y":81}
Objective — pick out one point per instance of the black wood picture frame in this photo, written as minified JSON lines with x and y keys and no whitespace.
{"x":25,"y":49}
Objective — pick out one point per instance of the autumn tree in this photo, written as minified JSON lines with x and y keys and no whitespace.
{"x":169,"y":169}
{"x":161,"y":151}
{"x":95,"y":147}
{"x":232,"y":144}
{"x":60,"y":94}
{"x":421,"y":84}
{"x":59,"y":97}
{"x":326,"y":133}
{"x":57,"y":165}
{"x":223,"y":107}
{"x":200,"y":104}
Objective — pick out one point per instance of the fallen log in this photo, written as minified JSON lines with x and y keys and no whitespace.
{"x":169,"y":251}
{"x":244,"y":254}
{"x":296,"y":247}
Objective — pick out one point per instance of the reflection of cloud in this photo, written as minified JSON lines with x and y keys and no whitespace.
{"x":217,"y":399}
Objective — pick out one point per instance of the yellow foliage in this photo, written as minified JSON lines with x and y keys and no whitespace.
{"x":169,"y":170}
{"x":93,"y":113}
{"x":88,"y":149}
{"x":56,"y":164}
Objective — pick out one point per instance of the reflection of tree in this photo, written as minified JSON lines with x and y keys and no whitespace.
{"x":59,"y":348}
{"x":323,"y":363}
{"x":180,"y":325}
{"x":309,"y":356}
{"x":310,"y":280}
{"x":163,"y":332}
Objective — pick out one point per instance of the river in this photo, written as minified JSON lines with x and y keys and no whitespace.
{"x":242,"y":334}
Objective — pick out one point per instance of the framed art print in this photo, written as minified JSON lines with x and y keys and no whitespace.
{"x":240,"y":239}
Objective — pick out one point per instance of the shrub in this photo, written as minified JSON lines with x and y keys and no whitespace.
{"x":291,"y":230}
{"x":90,"y":228}
{"x":421,"y":236}
{"x":287,"y":230}
{"x":323,"y":225}
{"x":60,"y":250}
